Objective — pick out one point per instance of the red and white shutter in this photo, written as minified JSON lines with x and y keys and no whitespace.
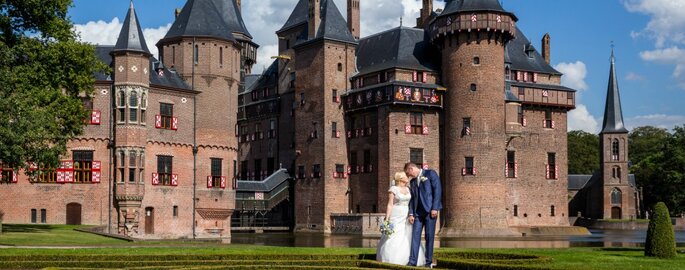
{"x":516,"y":170}
{"x":95,"y":117}
{"x":337,"y":133}
{"x":407,"y":129}
{"x":425,"y":77}
{"x":174,"y":179}
{"x":535,"y":77}
{"x":68,"y":168}
{"x":525,"y":76}
{"x":525,"y":121}
{"x":174,"y":123}
{"x":546,"y":171}
{"x":335,"y":174}
{"x":425,"y":130}
{"x":370,"y":167}
{"x":474,"y":171}
{"x":158,"y":121}
{"x":553,"y":125}
{"x":506,"y":169}
{"x":556,"y":171}
{"x":15,"y":177}
{"x":463,"y":171}
{"x":349,"y":134}
{"x":97,"y":166}
{"x":415,"y":76}
{"x":209,"y":182}
{"x":223,"y":182}
{"x":519,"y":75}
{"x":155,"y":179}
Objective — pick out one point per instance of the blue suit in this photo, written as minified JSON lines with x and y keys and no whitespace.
{"x":425,"y":196}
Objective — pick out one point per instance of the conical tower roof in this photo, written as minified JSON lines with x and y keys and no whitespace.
{"x":458,"y":6}
{"x":208,"y":18}
{"x":613,"y":114}
{"x":131,"y":36}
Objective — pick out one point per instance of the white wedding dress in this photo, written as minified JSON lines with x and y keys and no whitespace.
{"x":395,"y":249}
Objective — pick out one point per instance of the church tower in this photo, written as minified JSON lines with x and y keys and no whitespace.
{"x":472,"y":35}
{"x":614,"y":155}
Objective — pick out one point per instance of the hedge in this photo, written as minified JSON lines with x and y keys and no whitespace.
{"x":660,"y":236}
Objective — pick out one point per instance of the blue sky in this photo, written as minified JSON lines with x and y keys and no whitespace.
{"x":649,"y":38}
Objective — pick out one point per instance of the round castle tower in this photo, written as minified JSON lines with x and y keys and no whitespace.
{"x":471,"y":35}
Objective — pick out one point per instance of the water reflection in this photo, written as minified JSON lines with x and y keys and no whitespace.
{"x":599,"y":238}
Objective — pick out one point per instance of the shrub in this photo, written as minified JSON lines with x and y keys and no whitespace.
{"x":660,"y":236}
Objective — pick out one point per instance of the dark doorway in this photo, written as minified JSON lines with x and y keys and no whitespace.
{"x":149,"y":220}
{"x":616,"y":212}
{"x":74,"y":214}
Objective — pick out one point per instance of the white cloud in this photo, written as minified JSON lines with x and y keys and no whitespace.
{"x":632,"y":76}
{"x":667,"y":29}
{"x":657,"y":120}
{"x":581,"y":119}
{"x":574,"y":75}
{"x":106,"y":33}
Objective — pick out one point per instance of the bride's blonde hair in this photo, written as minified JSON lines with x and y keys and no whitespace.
{"x":401,"y":177}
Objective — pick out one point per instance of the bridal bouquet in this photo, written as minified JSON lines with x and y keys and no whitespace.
{"x":387,"y":228}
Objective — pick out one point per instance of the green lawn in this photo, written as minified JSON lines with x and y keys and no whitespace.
{"x":103,"y":252}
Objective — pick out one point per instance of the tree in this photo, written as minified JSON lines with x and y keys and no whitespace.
{"x":660,"y":237}
{"x":44,"y":72}
{"x":583,"y":152}
{"x":645,"y":141}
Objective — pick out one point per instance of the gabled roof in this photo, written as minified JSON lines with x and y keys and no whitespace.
{"x":297,"y":17}
{"x":332,"y":27}
{"x":131,"y":36}
{"x":207,"y":18}
{"x":168,"y":78}
{"x":613,"y":113}
{"x":456,"y":6}
{"x":401,"y":47}
{"x":523,"y":56}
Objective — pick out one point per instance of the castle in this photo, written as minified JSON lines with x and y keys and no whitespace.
{"x":464,"y":93}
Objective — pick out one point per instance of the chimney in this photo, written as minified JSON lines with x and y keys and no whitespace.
{"x":426,"y":12}
{"x":353,"y":20}
{"x":177,"y":12}
{"x":314,"y":17}
{"x":546,"y":48}
{"x":238,"y":3}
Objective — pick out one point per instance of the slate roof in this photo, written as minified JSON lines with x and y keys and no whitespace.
{"x":613,"y":113}
{"x":169,"y":78}
{"x":131,"y":36}
{"x":266,"y":185}
{"x":581,"y":181}
{"x":401,"y":47}
{"x":208,"y":18}
{"x":455,"y":6}
{"x":250,"y":81}
{"x":519,"y":59}
{"x":332,"y":27}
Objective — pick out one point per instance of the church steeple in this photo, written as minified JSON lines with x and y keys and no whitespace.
{"x":613,"y":114}
{"x":131,"y":36}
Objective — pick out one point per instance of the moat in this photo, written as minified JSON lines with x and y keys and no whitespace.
{"x":599,"y":238}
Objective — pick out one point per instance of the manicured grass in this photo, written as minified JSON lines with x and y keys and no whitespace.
{"x":51,"y":235}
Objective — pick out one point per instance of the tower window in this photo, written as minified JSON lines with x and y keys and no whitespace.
{"x":416,"y":121}
{"x":196,"y":54}
{"x":551,"y":166}
{"x":476,"y":61}
{"x":516,"y":210}
{"x":221,"y":56}
{"x":616,"y":196}
{"x":416,"y":156}
{"x":469,"y":170}
{"x":614,"y":149}
{"x":473,"y":87}
{"x":340,"y":67}
{"x":511,"y":164}
{"x":552,"y":210}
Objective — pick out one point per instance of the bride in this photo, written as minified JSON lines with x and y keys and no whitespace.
{"x":395,"y":248}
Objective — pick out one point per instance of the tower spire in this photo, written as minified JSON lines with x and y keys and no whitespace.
{"x":131,"y":36}
{"x":613,"y":114}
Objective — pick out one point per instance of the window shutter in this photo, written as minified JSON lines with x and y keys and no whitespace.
{"x":337,"y":134}
{"x":407,"y":129}
{"x":95,"y":117}
{"x":556,"y":171}
{"x":525,"y":121}
{"x":223,"y":182}
{"x":158,"y":121}
{"x":335,"y":174}
{"x":415,"y":76}
{"x":349,"y":134}
{"x":525,"y":76}
{"x":349,"y":169}
{"x":518,"y":75}
{"x":68,"y":167}
{"x":363,"y":132}
{"x":174,"y":179}
{"x":370,"y":168}
{"x":155,"y":179}
{"x":516,"y":170}
{"x":425,"y":75}
{"x":474,"y":171}
{"x":463,"y":171}
{"x":97,"y":166}
{"x":506,"y":169}
{"x":209,"y":182}
{"x":174,"y":123}
{"x":547,"y":172}
{"x":553,"y":125}
{"x":379,"y":78}
{"x":535,"y":77}
{"x":15,"y":177}
{"x":425,"y":130}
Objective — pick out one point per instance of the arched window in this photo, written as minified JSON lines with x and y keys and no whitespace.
{"x":133,"y":107}
{"x":614,"y":149}
{"x":616,"y":196}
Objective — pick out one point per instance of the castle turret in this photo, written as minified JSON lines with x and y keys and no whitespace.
{"x":472,"y":35}
{"x":614,"y":155}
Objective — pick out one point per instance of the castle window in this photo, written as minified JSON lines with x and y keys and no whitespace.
{"x":614,"y":149}
{"x":258,"y":131}
{"x":292,"y":79}
{"x":511,"y":165}
{"x":340,"y":67}
{"x":272,"y":129}
{"x":121,"y":107}
{"x":143,"y":107}
{"x":132,"y":166}
{"x":287,"y":44}
{"x":416,"y":122}
{"x":516,"y":210}
{"x":133,"y":107}
{"x":507,"y":73}
{"x":302,"y":101}
{"x":521,"y":117}
{"x":336,"y":98}
{"x":196,"y":55}
{"x":476,"y":61}
{"x":83,"y":166}
{"x":34,"y":215}
{"x":416,"y":156}
{"x":466,"y":129}
{"x":175,"y":211}
{"x":216,"y":172}
{"x":552,"y":210}
{"x":141,"y":166}
{"x":173,"y":55}
{"x":221,"y":56}
{"x":122,"y":165}
{"x":165,"y":169}
{"x":166,"y":111}
{"x":340,"y":170}
{"x":316,"y":170}
{"x":473,"y":87}
{"x":43,"y":215}
{"x":549,"y":123}
{"x":552,"y":168}
{"x":334,"y":130}
{"x":469,"y":168}
{"x":522,"y":92}
{"x":616,"y":196}
{"x":44,"y":174}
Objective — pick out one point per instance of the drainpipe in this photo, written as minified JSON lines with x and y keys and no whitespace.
{"x":194,"y":138}
{"x":110,"y":145}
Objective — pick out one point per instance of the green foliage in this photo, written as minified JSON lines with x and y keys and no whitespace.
{"x":44,"y":71}
{"x":583,"y":152}
{"x":660,"y":236}
{"x":644,"y":141}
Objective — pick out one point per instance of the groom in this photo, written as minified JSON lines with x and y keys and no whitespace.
{"x":423,"y":209}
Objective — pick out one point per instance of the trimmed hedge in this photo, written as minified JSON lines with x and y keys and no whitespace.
{"x":660,"y":236}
